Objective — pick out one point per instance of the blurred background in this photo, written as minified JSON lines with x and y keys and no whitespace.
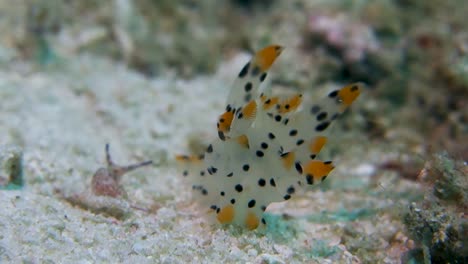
{"x":411,"y":54}
{"x":149,"y":77}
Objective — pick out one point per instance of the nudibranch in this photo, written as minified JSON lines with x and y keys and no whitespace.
{"x":267,"y":146}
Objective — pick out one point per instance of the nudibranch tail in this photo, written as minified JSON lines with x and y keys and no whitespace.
{"x":267,"y":147}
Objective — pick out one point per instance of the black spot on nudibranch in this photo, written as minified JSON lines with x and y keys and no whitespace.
{"x":233,"y":201}
{"x":271,"y":136}
{"x":251,"y":203}
{"x":272,"y":182}
{"x":321,"y":127}
{"x":263,"y":208}
{"x":244,"y":70}
{"x":298,"y":167}
{"x":293,"y":132}
{"x":354,"y":88}
{"x":264,"y":145}
{"x":261,"y":182}
{"x":230,"y":174}
{"x":277,"y":118}
{"x":246,"y":167}
{"x":209,"y":149}
{"x":202,"y":173}
{"x":185,"y":157}
{"x":291,"y":190}
{"x":255,"y":71}
{"x":259,"y":153}
{"x":212,"y":170}
{"x":310,"y":179}
{"x":287,"y":197}
{"x":263,"y":76}
{"x":221,"y":135}
{"x":185,"y":173}
{"x":222,"y":193}
{"x":321,"y":116}
{"x":299,"y":142}
{"x":315,"y":109}
{"x":333,"y":94}
{"x":248,"y":87}
{"x":312,"y":156}
{"x":247,"y":97}
{"x":204,"y":192}
{"x":238,"y":188}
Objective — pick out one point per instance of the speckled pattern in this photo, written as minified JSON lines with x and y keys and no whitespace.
{"x":263,"y":138}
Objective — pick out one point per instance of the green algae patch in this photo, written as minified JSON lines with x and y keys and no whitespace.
{"x":341,"y":215}
{"x":321,"y":249}
{"x":278,"y":228}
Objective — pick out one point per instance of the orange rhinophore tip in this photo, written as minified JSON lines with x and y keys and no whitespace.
{"x":243,"y":140}
{"x":288,"y":159}
{"x":291,"y":104}
{"x":317,"y":144}
{"x":225,"y":121}
{"x":317,"y":170}
{"x":250,"y":110}
{"x":349,"y":93}
{"x":265,"y":57}
{"x":269,"y":102}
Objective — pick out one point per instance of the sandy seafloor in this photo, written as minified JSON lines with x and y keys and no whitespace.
{"x":64,"y":115}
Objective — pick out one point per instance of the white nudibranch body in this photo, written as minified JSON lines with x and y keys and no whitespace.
{"x":267,"y":146}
